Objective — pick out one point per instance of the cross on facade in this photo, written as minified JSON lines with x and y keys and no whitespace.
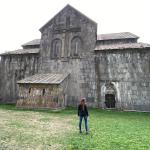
{"x":65,"y":29}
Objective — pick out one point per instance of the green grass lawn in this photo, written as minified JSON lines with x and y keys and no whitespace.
{"x":58,"y":130}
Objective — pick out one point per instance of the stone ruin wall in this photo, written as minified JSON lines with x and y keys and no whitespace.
{"x":129,"y":72}
{"x":33,"y":96}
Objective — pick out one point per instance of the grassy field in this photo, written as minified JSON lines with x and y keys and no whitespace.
{"x":58,"y":130}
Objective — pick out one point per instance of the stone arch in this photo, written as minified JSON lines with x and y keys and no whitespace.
{"x":76,"y":46}
{"x":109,"y":95}
{"x":56,"y":48}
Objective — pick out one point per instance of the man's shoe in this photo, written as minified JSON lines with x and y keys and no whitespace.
{"x":80,"y":132}
{"x":87,"y":132}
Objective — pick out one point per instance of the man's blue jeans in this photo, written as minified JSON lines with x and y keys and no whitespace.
{"x":85,"y":122}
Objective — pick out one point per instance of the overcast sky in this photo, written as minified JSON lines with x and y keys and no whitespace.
{"x":20,"y":20}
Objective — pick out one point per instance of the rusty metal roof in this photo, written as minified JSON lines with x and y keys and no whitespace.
{"x":122,"y":46}
{"x":33,"y":42}
{"x":48,"y":78}
{"x":22,"y":51}
{"x":114,"y":36}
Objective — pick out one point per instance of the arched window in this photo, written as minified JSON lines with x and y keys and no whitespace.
{"x":76,"y":46}
{"x":56,"y":48}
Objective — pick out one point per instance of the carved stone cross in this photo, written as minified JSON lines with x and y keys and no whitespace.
{"x":65,"y":29}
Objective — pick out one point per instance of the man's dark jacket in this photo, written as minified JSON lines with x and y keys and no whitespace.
{"x":82,"y":112}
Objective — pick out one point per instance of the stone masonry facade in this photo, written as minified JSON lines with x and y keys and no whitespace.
{"x":111,"y":70}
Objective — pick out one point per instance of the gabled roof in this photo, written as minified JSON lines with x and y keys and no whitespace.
{"x":67,"y":6}
{"x":22,"y":51}
{"x":48,"y":78}
{"x":100,"y":47}
{"x":33,"y":42}
{"x":116,"y":36}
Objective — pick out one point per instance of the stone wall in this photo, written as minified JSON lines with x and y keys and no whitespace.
{"x":40,"y":96}
{"x":67,"y":43}
{"x":81,"y":81}
{"x":129,"y":72}
{"x":14,"y":68}
{"x":67,"y":26}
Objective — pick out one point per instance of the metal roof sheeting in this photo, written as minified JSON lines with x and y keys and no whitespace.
{"x":122,"y":46}
{"x":114,"y":36}
{"x":44,"y":79}
{"x":22,"y":51}
{"x":110,"y":36}
{"x":33,"y":42}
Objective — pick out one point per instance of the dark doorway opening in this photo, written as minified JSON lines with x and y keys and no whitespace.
{"x":110,"y":100}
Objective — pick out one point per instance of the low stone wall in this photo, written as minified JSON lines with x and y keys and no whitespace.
{"x":40,"y":96}
{"x":38,"y":103}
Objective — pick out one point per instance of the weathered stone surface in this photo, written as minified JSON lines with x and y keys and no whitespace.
{"x":67,"y":45}
{"x":40,"y":96}
{"x":68,"y":25}
{"x":129,"y":75}
{"x":14,"y":68}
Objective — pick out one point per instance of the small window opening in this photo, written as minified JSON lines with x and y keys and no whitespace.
{"x":68,"y":21}
{"x":29,"y":90}
{"x":76,"y":48}
{"x":43,"y":92}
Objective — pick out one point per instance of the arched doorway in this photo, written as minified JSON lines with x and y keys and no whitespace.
{"x":110,"y":96}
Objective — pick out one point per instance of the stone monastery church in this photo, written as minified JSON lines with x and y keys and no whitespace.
{"x":71,"y":61}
